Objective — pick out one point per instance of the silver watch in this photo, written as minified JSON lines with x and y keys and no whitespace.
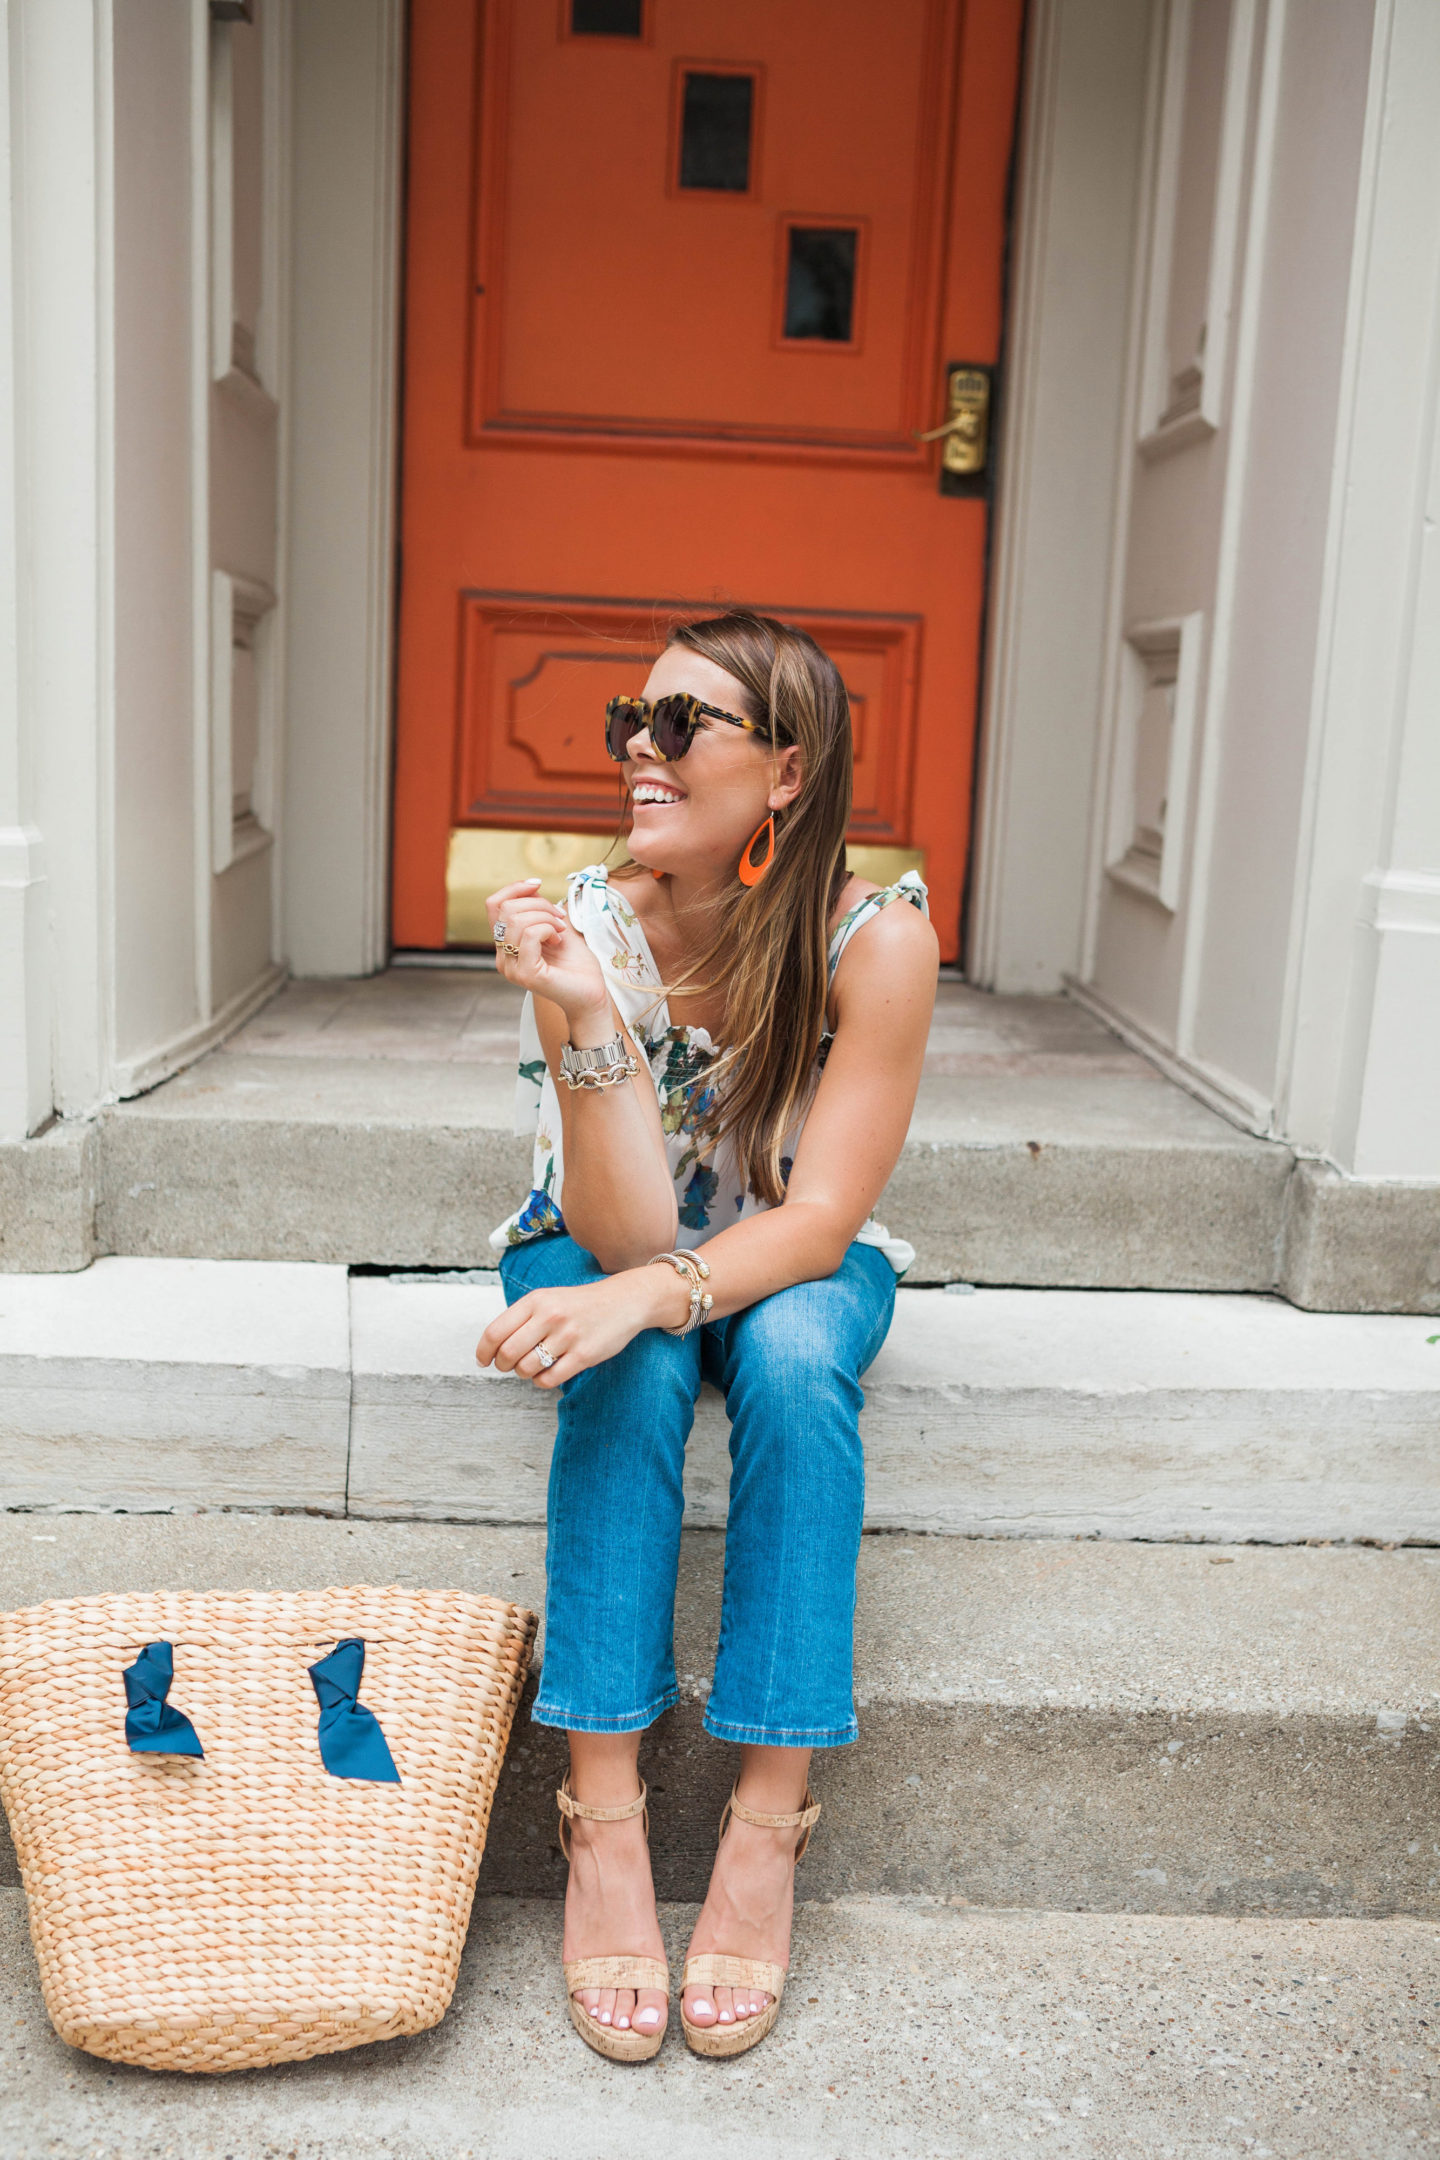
{"x":608,"y":1066}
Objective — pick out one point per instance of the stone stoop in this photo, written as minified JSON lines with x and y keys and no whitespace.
{"x":913,"y":2029}
{"x":1074,"y":1413}
{"x":1045,"y":1724}
{"x":193,"y":1384}
{"x":1137,"y":1851}
{"x":370,"y":1123}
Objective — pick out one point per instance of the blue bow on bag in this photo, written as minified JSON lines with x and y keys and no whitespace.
{"x":152,"y":1727}
{"x":351,"y":1742}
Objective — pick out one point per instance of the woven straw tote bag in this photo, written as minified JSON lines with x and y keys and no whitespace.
{"x":251,"y":1908}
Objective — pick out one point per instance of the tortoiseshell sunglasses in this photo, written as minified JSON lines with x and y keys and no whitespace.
{"x":672,"y":722}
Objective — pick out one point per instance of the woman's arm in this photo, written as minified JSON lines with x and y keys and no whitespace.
{"x":884,"y":996}
{"x":618,"y":1198}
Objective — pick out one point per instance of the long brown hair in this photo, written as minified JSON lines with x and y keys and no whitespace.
{"x":770,"y":942}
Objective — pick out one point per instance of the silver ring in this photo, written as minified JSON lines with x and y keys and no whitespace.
{"x":546,"y":1357}
{"x":499,"y":931}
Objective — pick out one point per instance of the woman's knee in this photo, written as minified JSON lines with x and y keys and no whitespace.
{"x":811,"y":1339}
{"x":547,"y":1263}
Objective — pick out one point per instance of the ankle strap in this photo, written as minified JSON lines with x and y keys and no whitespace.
{"x":579,"y":1810}
{"x":804,"y":1819}
{"x":572,"y":1810}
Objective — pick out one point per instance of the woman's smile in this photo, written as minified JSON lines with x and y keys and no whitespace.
{"x":655,"y":792}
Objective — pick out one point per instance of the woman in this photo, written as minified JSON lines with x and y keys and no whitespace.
{"x":721,"y":1050}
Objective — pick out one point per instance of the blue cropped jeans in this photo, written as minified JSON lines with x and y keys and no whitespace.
{"x":789,"y":1368}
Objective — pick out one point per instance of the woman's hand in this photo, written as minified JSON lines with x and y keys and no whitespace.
{"x":554,"y":960}
{"x":581,"y":1324}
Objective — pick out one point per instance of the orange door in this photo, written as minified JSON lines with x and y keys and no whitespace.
{"x":684,"y":281}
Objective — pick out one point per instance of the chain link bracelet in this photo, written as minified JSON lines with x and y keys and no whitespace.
{"x":609,"y":1066}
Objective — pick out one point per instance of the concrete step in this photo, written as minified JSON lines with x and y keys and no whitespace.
{"x":909,"y":2029}
{"x":1001,"y":1413}
{"x":1108,"y":1727}
{"x":146,"y":1384}
{"x":372,"y":1122}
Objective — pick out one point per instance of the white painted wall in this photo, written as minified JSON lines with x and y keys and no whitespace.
{"x":343,"y":408}
{"x":1270,"y":511}
{"x":25,"y":1092}
{"x":155,"y":929}
{"x":1223,"y":526}
{"x":1256,"y":775}
{"x":1361,"y":1051}
{"x":60,"y":728}
{"x":126,"y":462}
{"x":1081,"y":133}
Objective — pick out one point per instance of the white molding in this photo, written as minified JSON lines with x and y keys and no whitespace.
{"x":202,"y":601}
{"x":1228,"y":553}
{"x":340,"y":502}
{"x":1102,"y":794}
{"x":105,"y":674}
{"x":140,"y":1074}
{"x":24,"y":1047}
{"x":233,"y":601}
{"x":1360,"y":1051}
{"x":272,"y":360}
{"x":220,"y":143}
{"x":1181,"y":638}
{"x":63,"y":225}
{"x":384,"y":460}
{"x":222,"y":755}
{"x":1016,"y":454}
{"x":1069,"y":333}
{"x":25,"y":1084}
{"x":1401,"y":900}
{"x":1172,"y":33}
{"x":1163,"y":428}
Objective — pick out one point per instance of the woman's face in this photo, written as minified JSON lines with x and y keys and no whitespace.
{"x":695,"y":816}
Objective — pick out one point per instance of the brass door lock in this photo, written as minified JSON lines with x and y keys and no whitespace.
{"x":965,"y":431}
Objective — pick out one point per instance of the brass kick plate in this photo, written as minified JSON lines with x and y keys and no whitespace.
{"x":481,"y":859}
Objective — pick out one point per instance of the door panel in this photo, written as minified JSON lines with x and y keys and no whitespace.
{"x":678,"y":305}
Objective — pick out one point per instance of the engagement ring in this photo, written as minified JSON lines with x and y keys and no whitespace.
{"x":499,"y":932}
{"x":546,"y":1357}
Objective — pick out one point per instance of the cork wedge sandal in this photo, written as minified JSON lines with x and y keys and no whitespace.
{"x":625,"y":1971}
{"x":715,"y":1969}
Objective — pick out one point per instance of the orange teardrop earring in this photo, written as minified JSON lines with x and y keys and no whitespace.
{"x":751,"y":872}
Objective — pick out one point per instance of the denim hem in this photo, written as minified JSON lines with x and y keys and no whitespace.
{"x":544,"y":1713}
{"x":782,"y":1735}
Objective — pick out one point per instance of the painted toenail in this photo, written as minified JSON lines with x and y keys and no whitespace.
{"x":704,"y":2009}
{"x":605,"y":2017}
{"x":623,"y":2023}
{"x":648,"y":2017}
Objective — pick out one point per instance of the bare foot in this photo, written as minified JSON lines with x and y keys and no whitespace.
{"x":610,"y":1912}
{"x":746,"y":1913}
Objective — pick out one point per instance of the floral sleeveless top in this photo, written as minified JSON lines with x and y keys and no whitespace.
{"x":708,"y":1186}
